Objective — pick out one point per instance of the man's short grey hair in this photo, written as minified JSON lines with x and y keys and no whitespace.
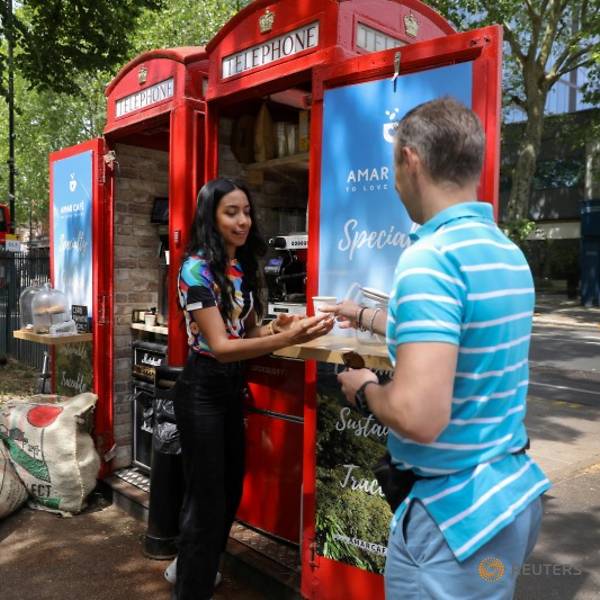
{"x":448,"y":138}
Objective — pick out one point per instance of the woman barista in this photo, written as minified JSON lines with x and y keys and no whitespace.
{"x":219,"y":296}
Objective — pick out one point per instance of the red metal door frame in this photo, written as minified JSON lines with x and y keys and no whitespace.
{"x":102,"y":286}
{"x":324,"y":578}
{"x":187,"y":167}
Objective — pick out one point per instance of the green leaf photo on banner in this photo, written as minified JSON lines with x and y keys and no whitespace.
{"x":352,"y":515}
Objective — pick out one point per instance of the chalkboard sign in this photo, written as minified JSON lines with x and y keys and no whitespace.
{"x":80,"y":316}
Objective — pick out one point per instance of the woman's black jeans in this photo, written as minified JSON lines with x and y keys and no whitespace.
{"x":208,"y":408}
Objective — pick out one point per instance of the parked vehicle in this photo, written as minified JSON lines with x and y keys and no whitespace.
{"x":6,"y":226}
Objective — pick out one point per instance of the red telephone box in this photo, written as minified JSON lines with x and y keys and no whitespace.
{"x":299,"y":99}
{"x":264,"y":60}
{"x":291,"y":58}
{"x":152,"y":150}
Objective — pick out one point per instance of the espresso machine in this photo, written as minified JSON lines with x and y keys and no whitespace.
{"x":285,"y":274}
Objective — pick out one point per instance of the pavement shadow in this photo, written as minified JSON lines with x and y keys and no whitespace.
{"x":566,"y":558}
{"x":562,"y":307}
{"x":580,"y":315}
{"x":561,"y":353}
{"x":549,"y":420}
{"x":95,"y":555}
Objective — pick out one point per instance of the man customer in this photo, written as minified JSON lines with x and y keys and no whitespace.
{"x":458,"y":329}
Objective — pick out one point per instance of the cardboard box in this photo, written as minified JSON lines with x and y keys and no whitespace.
{"x":303,"y":131}
{"x":242,"y":139}
{"x":264,"y":147}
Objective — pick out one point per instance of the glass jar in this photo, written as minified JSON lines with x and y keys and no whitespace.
{"x":25,"y":308}
{"x":49,"y":307}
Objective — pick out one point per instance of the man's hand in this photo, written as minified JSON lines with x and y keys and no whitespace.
{"x":346,"y":313}
{"x":352,"y":379}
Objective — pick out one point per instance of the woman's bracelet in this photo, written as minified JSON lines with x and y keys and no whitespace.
{"x":359,"y":319}
{"x":373,"y":319}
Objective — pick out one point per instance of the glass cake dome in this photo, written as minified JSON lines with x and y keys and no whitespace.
{"x":49,"y":307}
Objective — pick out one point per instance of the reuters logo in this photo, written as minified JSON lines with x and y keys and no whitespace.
{"x":491,"y":569}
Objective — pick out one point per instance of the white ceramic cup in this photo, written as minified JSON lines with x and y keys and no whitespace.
{"x":319,"y":301}
{"x":150,"y":319}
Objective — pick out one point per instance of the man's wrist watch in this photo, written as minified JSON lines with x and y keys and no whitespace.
{"x":360,"y":398}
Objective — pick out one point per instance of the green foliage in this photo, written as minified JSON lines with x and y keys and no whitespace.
{"x":46,"y":121}
{"x":553,"y":259}
{"x":591,"y":87}
{"x":184,"y":23}
{"x":334,"y":446}
{"x":344,"y":515}
{"x":56,"y":39}
{"x":544,"y":41}
{"x":559,"y":173}
{"x":518,"y":229}
{"x":67,"y":52}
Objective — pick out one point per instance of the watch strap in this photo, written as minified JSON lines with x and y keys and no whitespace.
{"x":360,"y":398}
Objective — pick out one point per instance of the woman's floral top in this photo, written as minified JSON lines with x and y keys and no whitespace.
{"x":198,"y":290}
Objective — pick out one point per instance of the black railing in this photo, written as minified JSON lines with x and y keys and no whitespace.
{"x":18,"y":271}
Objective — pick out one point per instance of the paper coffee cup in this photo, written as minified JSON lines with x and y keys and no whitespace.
{"x":319,"y":301}
{"x":150,"y":319}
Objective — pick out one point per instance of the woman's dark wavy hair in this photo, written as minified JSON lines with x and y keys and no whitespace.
{"x":205,"y":237}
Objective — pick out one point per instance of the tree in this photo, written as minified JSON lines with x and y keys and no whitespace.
{"x":51,"y":116}
{"x":57,"y":39}
{"x":184,"y":23}
{"x":47,"y":121}
{"x":546,"y":39}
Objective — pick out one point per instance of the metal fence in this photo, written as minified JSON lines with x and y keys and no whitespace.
{"x":18,"y":271}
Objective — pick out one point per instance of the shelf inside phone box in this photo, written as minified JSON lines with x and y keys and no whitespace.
{"x":51,"y":340}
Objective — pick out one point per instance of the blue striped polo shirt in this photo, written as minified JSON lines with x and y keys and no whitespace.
{"x":465,"y":283}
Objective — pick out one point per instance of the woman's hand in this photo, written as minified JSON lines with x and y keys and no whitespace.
{"x":346,"y":313}
{"x":309,"y":328}
{"x":284,"y":322}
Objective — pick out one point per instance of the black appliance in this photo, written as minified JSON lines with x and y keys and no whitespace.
{"x":160,"y":211}
{"x":285,"y":269}
{"x":146,"y":357}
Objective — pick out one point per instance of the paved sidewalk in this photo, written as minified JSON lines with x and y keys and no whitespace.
{"x":565,"y":438}
{"x":565,"y":564}
{"x":96,"y":555}
{"x":556,"y":309}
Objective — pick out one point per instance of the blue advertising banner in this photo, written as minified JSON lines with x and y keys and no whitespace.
{"x":72,"y":254}
{"x":72,"y":219}
{"x":364,"y":226}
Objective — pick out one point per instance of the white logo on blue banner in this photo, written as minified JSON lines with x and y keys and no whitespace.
{"x":72,"y":220}
{"x":364,"y":226}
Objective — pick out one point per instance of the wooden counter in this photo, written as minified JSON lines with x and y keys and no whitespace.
{"x":159,"y":329}
{"x":330,"y":348}
{"x":51,"y":340}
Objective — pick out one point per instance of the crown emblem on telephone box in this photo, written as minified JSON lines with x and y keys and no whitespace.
{"x":411,"y":25}
{"x":142,"y":75}
{"x":265,"y":23}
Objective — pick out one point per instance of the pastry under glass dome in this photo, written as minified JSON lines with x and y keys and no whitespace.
{"x":49,"y":307}
{"x":25,"y":308}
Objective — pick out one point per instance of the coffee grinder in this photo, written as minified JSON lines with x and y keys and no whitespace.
{"x":285,"y":273}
